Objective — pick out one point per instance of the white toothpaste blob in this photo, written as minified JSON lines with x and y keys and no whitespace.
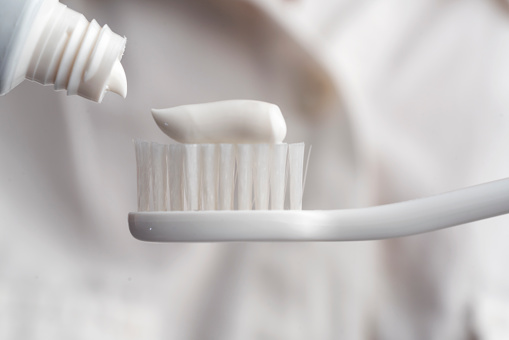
{"x":229,"y":121}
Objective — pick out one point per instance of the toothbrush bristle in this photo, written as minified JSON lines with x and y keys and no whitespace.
{"x":188,"y":177}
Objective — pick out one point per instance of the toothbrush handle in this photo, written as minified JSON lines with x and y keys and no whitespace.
{"x":421,"y":215}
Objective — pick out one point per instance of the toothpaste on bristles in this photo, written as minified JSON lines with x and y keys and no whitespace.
{"x":232,"y":157}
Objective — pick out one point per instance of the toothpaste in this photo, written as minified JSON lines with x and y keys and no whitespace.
{"x":230,"y":121}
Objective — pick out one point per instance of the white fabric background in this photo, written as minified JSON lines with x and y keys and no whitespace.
{"x":399,"y":100}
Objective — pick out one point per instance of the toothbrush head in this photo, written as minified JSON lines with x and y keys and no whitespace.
{"x":194,"y":177}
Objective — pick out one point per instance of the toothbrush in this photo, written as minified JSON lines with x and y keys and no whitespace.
{"x":374,"y":223}
{"x":180,"y":177}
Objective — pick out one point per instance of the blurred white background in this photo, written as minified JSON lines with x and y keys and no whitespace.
{"x":399,"y":100}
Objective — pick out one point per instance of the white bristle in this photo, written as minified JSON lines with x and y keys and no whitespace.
{"x":175,"y":168}
{"x":192,"y":169}
{"x":296,"y":165}
{"x":226,"y":176}
{"x":244,"y":176}
{"x":159,"y":176}
{"x":278,"y":176}
{"x":143,"y":164}
{"x":209,"y":176}
{"x":261,"y":174}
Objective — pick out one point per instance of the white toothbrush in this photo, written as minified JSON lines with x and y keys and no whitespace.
{"x":386,"y":221}
{"x":217,"y":178}
{"x":374,"y":223}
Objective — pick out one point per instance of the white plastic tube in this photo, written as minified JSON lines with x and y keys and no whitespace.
{"x":44,"y":41}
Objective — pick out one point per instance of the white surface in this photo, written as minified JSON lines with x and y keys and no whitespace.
{"x":16,"y":19}
{"x":228,"y":121}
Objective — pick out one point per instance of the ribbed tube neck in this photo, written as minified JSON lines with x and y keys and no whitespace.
{"x":74,"y":54}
